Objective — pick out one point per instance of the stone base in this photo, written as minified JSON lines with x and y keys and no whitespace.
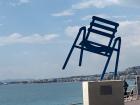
{"x":103,"y":93}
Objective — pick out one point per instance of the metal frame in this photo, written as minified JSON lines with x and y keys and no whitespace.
{"x":101,"y":49}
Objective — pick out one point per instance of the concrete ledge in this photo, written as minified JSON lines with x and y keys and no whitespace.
{"x":103,"y":93}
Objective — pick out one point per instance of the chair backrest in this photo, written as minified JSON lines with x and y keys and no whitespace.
{"x":103,"y":27}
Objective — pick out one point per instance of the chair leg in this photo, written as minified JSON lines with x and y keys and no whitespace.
{"x":67,"y":59}
{"x":81,"y":56}
{"x":116,"y":64}
{"x":118,"y":53}
{"x":106,"y":65}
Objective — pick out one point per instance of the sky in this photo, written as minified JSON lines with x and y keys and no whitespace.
{"x":36,"y":36}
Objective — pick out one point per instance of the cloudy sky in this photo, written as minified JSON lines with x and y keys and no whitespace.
{"x":36,"y":36}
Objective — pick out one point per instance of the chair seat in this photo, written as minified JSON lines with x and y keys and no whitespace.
{"x":95,"y":47}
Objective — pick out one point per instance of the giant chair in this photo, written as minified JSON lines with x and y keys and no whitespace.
{"x":98,"y":26}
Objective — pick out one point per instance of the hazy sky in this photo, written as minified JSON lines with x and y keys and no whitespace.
{"x":36,"y":36}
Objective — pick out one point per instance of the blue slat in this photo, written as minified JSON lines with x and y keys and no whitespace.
{"x":105,"y":21}
{"x":101,"y":33}
{"x":103,"y":27}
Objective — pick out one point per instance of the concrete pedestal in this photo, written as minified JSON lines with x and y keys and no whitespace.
{"x":103,"y":93}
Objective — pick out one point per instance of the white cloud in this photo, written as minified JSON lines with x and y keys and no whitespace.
{"x":87,"y":17}
{"x":64,"y":13}
{"x":3,"y":17}
{"x":87,"y":4}
{"x":95,"y":3}
{"x":130,"y":3}
{"x":104,"y":3}
{"x":90,"y":16}
{"x":121,"y":16}
{"x":1,"y":25}
{"x":19,"y":2}
{"x":129,"y":30}
{"x":110,"y":17}
{"x":72,"y":30}
{"x":24,"y":1}
{"x":84,"y":4}
{"x":17,"y":38}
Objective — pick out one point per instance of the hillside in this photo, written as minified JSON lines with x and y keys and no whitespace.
{"x":135,"y":70}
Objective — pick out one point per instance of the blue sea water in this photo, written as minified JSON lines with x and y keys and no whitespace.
{"x":41,"y":94}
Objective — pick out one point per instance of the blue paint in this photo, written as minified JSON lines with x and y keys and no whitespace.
{"x":97,"y":26}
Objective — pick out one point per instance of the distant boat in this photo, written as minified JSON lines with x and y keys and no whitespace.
{"x":3,"y":83}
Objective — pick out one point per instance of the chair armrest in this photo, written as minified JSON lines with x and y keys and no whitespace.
{"x":118,"y":39}
{"x":82,"y":29}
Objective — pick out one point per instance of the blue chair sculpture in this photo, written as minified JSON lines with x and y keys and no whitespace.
{"x":88,"y":45}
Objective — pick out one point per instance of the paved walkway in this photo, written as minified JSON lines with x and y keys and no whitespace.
{"x":136,"y":102}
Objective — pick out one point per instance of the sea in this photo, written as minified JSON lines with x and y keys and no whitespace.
{"x":42,"y":94}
